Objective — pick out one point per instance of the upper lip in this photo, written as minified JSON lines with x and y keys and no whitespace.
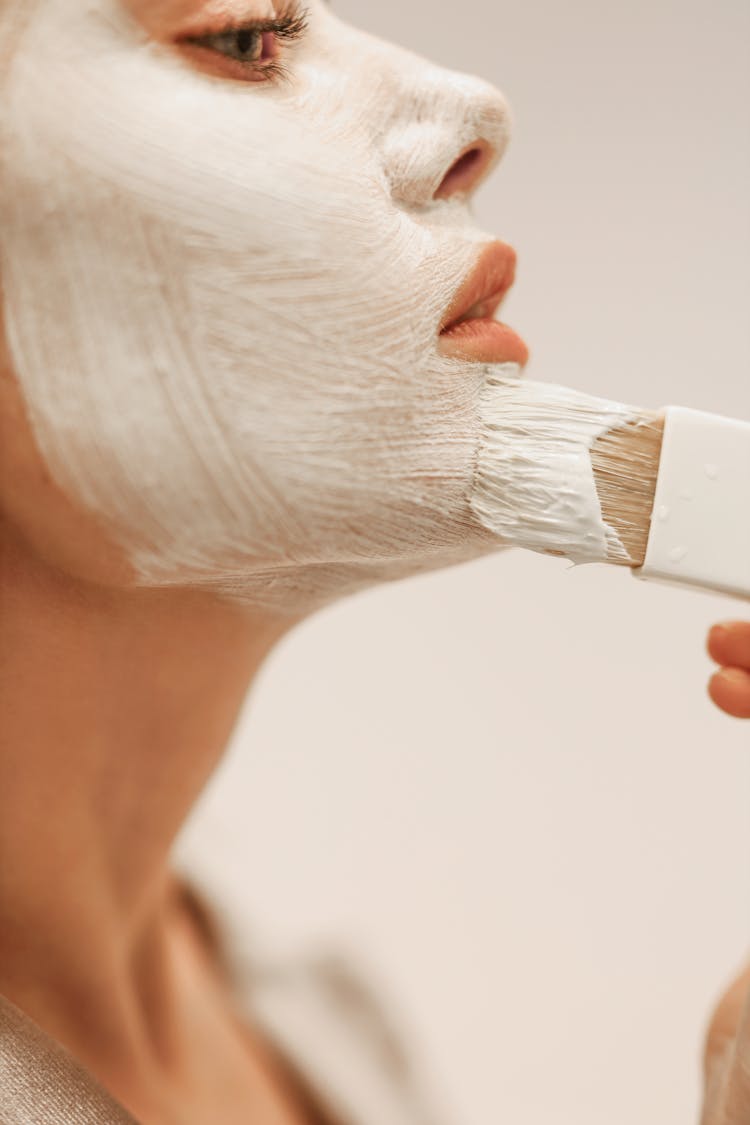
{"x":485,"y":286}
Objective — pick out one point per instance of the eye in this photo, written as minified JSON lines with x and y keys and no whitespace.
{"x":251,"y":51}
{"x":244,"y":44}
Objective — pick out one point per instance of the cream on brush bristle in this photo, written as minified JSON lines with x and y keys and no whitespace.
{"x":564,"y":473}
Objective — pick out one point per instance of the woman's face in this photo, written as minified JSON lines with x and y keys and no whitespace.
{"x":223,"y":288}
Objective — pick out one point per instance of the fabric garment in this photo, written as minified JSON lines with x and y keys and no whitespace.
{"x":41,"y":1084}
{"x":319,"y":1015}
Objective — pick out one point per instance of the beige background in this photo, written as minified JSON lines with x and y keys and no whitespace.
{"x":504,"y":784}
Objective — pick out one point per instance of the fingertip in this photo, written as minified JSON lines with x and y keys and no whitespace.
{"x":713,"y":684}
{"x":729,"y":689}
{"x":729,"y":644}
{"x":717,"y":641}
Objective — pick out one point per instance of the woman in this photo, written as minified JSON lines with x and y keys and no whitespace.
{"x":231,"y":235}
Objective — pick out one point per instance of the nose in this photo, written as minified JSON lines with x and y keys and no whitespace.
{"x":468,"y":170}
{"x":444,"y":135}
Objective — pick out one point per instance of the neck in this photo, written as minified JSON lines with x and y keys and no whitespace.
{"x":116,"y":708}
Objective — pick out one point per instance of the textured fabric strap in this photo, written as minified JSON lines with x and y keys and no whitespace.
{"x":41,"y":1084}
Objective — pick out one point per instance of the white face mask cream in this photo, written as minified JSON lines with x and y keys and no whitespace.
{"x":222,"y":301}
{"x":535,"y":486}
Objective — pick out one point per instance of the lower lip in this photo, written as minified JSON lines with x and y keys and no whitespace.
{"x":483,"y":341}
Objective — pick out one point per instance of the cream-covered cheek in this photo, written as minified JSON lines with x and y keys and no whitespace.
{"x":222,"y":308}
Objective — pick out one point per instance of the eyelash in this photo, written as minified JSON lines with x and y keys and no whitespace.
{"x":289,"y":26}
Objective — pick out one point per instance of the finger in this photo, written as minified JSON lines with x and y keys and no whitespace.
{"x":730,"y":690}
{"x":729,"y":644}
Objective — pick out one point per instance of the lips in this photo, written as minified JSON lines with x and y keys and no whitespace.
{"x":468,"y":329}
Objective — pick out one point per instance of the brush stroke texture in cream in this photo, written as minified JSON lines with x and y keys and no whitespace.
{"x":222,"y":302}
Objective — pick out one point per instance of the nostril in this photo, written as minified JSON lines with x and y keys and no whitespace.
{"x":464,"y":174}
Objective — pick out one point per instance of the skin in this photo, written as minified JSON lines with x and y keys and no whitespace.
{"x":117,"y":704}
{"x":99,"y":770}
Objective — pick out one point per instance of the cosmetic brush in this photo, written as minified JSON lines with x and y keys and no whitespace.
{"x":666,"y":493}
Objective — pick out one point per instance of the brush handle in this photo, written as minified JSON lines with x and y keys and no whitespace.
{"x":700,"y":523}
